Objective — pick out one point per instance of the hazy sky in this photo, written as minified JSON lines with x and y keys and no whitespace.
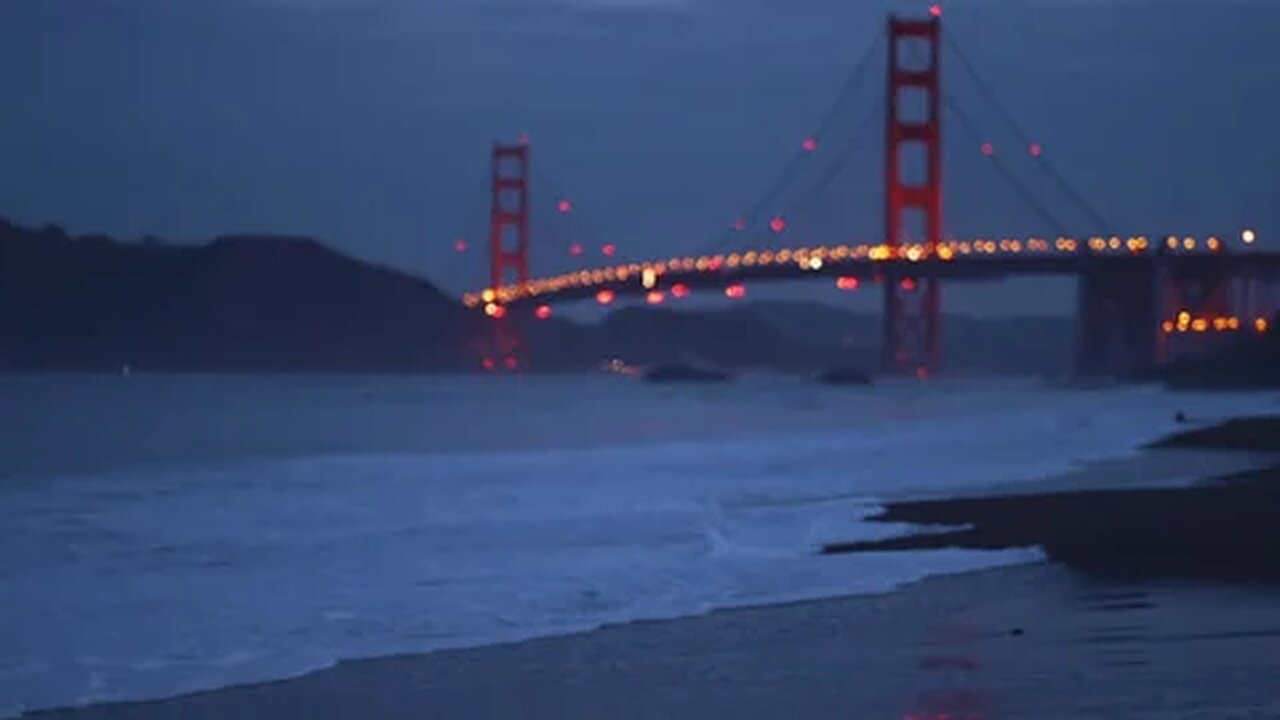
{"x":368,"y":122}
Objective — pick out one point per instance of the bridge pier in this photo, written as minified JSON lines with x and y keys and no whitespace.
{"x":1117,"y":321}
{"x":1198,"y":291}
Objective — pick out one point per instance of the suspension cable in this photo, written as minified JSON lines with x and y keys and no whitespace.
{"x":579,"y":224}
{"x":474,"y":234}
{"x":1023,"y":191}
{"x":793,"y":166}
{"x":989,"y":93}
{"x":838,"y":163}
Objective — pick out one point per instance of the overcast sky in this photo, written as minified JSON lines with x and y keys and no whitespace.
{"x":368,"y":122}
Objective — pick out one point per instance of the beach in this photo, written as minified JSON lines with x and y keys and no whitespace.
{"x":1153,"y":603}
{"x":1035,"y":641}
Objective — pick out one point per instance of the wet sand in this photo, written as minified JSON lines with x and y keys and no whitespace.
{"x":1221,"y":528}
{"x":1164,"y":605}
{"x":1038,"y":641}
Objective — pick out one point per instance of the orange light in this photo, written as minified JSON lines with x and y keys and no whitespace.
{"x":736,"y":291}
{"x":1260,"y":324}
{"x":1171,"y":242}
{"x":604,"y":297}
{"x":1167,"y":326}
{"x":1219,"y":324}
{"x":1233,"y":322}
{"x":542,"y":312}
{"x":495,"y":311}
{"x":1214,"y":244}
{"x":680,"y":290}
{"x":1189,"y":243}
{"x":1199,"y":325}
{"x":655,"y":297}
{"x":847,"y":283}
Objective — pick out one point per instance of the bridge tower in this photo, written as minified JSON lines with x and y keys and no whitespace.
{"x":911,"y":320}
{"x":508,"y":243}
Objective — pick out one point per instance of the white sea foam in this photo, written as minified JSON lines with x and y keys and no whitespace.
{"x":144,"y":582}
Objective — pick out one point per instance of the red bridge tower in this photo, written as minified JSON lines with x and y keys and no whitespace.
{"x":911,"y":319}
{"x":508,"y":242}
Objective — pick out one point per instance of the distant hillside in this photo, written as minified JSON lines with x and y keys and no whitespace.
{"x":282,"y":304}
{"x":807,"y":335}
{"x":237,"y":303}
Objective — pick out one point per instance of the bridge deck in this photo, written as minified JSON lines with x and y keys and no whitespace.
{"x":976,"y":261}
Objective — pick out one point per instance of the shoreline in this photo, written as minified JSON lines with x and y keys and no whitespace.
{"x":1169,"y":539}
{"x":1224,"y":527}
{"x":1018,"y":641}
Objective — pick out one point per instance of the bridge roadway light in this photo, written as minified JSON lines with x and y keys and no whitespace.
{"x":1248,"y":236}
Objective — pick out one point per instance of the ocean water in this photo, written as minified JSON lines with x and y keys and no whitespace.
{"x":161,"y":534}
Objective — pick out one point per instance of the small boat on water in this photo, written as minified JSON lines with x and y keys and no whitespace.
{"x":684,"y":372}
{"x":843,"y":376}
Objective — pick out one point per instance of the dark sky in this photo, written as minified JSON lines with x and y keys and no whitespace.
{"x":368,"y":122}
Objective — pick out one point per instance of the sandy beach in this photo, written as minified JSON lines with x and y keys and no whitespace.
{"x":1155,"y":603}
{"x":1037,"y":641}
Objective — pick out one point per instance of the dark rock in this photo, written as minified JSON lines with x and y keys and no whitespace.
{"x":684,"y":372}
{"x":844,"y":376}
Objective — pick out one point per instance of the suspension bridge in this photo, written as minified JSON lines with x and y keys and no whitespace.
{"x":1142,"y":300}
